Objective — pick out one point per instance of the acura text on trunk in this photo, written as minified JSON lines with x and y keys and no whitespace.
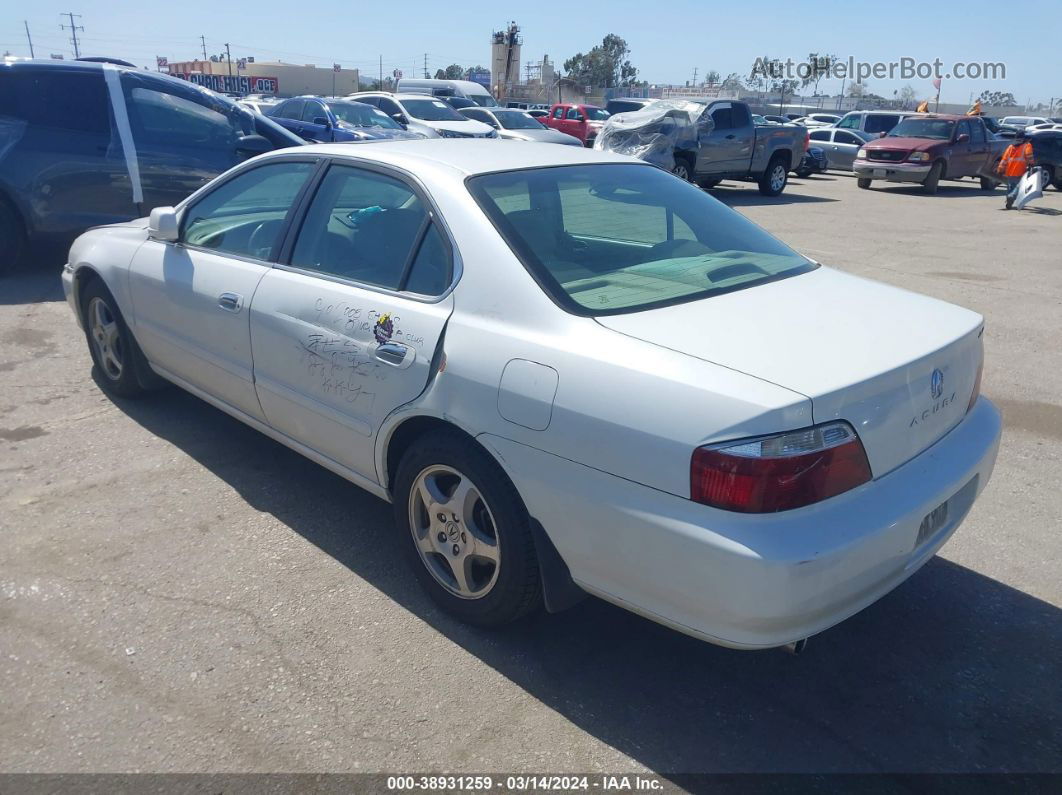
{"x":568,"y":371}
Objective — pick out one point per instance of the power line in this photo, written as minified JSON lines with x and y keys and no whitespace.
{"x":74,"y":28}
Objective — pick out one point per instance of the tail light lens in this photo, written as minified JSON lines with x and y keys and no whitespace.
{"x":780,"y":472}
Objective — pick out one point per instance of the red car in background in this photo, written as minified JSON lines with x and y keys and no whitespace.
{"x":582,"y":121}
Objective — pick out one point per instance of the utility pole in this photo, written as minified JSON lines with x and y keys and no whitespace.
{"x":73,"y":30}
{"x":381,"y":73}
{"x":26,"y":23}
{"x":228,"y":57}
{"x":426,"y":75}
{"x":202,"y":40}
{"x":694,"y":83}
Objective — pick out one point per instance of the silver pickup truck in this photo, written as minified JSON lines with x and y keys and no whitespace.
{"x":708,"y":144}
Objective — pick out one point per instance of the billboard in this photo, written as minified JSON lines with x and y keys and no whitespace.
{"x":481,"y":76}
{"x":233,"y":84}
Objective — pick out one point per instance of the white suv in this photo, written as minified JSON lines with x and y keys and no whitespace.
{"x":425,"y":114}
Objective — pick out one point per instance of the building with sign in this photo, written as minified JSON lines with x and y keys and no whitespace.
{"x":267,"y":77}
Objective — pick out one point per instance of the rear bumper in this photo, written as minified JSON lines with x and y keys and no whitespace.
{"x":752,"y":581}
{"x":892,"y":172}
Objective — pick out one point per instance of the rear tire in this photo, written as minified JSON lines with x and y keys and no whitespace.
{"x":708,"y":184}
{"x":116,"y":357}
{"x":988,"y":184}
{"x":864,"y":183}
{"x":774,"y":179}
{"x":12,"y":239}
{"x":1049,"y":176}
{"x":500,"y":581}
{"x":803,"y":174}
{"x":932,"y":180}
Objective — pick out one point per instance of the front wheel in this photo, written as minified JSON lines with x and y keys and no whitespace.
{"x":466,"y":531}
{"x":988,"y":184}
{"x":932,"y":180}
{"x":803,"y":174}
{"x":1049,"y":176}
{"x":864,"y":182}
{"x":774,"y":179}
{"x":708,"y":184}
{"x":115,"y":355}
{"x":682,"y":169}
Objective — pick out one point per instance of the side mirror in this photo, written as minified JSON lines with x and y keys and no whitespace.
{"x":251,"y":145}
{"x":162,"y":225}
{"x":400,"y":118}
{"x":963,"y":138}
{"x":321,"y":121}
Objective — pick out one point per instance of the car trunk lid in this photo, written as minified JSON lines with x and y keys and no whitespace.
{"x":898,"y":366}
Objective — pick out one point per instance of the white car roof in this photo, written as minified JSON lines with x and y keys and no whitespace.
{"x":464,"y":156}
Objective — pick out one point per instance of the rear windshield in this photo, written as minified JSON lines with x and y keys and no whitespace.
{"x":516,"y":120}
{"x":938,"y":129}
{"x":359,"y":114}
{"x":613,"y":238}
{"x":431,"y":110}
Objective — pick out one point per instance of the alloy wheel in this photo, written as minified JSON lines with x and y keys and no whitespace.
{"x":106,"y":338}
{"x":454,"y":532}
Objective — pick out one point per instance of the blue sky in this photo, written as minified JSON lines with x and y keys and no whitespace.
{"x":667,"y":40}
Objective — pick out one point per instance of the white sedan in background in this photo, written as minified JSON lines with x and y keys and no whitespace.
{"x":568,"y":370}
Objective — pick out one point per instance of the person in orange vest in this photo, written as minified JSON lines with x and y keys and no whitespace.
{"x":1016,"y":160}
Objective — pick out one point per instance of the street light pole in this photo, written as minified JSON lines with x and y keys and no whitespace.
{"x":228,"y":57}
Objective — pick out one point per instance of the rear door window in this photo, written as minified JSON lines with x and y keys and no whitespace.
{"x":820,"y":135}
{"x":366,"y":227}
{"x":841,"y":137}
{"x":60,"y":100}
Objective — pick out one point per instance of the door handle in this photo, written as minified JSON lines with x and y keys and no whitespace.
{"x":395,"y":354}
{"x":730,"y":137}
{"x":230,"y":302}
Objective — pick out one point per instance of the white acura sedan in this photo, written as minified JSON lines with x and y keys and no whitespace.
{"x":568,"y":370}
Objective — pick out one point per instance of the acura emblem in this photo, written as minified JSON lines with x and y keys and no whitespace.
{"x":936,"y":384}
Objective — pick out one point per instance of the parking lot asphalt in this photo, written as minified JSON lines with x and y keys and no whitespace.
{"x":179,"y":593}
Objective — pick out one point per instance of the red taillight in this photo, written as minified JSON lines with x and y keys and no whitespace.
{"x":779,"y":473}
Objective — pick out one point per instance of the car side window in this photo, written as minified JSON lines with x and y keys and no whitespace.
{"x":313,"y":110}
{"x":159,"y":118}
{"x":245,"y":215}
{"x":963,"y":128}
{"x":573,"y":114}
{"x":977,"y":131}
{"x":723,"y":119}
{"x":739,"y":116}
{"x":361,"y":225}
{"x":390,"y":107}
{"x":429,"y":273}
{"x":558,"y":113}
{"x":292,"y":109}
{"x":850,"y":122}
{"x":882,"y":123}
{"x":76,"y":102}
{"x":821,"y":135}
{"x":374,"y":101}
{"x":841,"y":137}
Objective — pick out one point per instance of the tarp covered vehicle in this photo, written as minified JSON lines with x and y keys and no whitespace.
{"x":657,"y":133}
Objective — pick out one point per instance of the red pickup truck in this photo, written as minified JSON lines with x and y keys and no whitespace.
{"x":582,"y":121}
